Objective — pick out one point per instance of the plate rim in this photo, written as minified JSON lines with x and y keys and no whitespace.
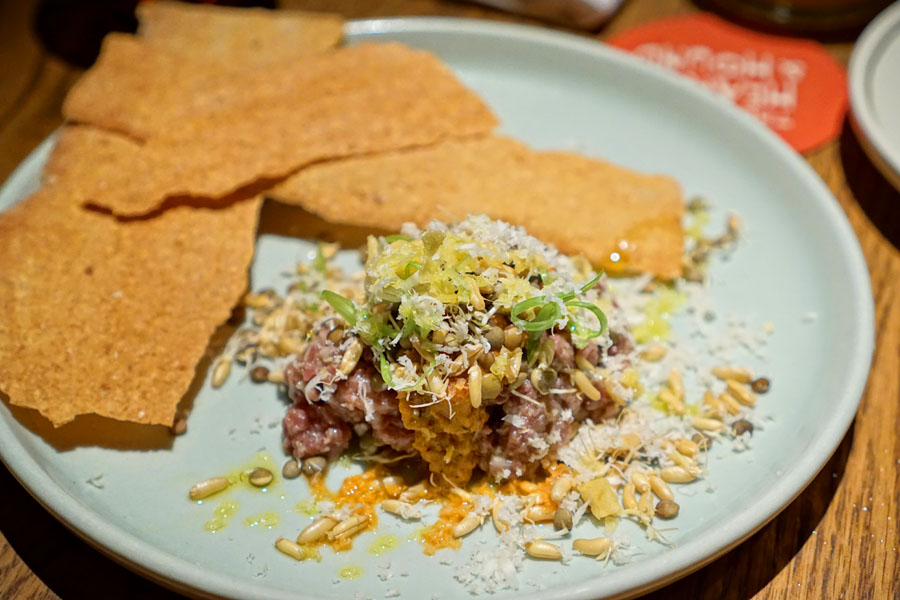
{"x":867,"y":51}
{"x":182,"y":575}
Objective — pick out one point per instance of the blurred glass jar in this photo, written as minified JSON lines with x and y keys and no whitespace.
{"x":811,"y":16}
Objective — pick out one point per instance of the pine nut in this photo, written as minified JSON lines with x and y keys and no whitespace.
{"x":351,"y":357}
{"x":260,"y":477}
{"x":466,"y":526}
{"x":645,"y":504}
{"x":276,"y":376}
{"x":499,"y":524}
{"x":629,"y":500}
{"x":475,"y":377}
{"x":674,"y":475}
{"x":661,"y":488}
{"x":286,"y":546}
{"x":475,"y":298}
{"x":653,"y":353}
{"x":708,"y":424}
{"x":672,"y":402}
{"x":348,"y":527}
{"x":584,"y":385}
{"x":641,"y":482}
{"x":538,"y":514}
{"x":676,"y":384}
{"x":391,"y":483}
{"x":413,"y":493}
{"x":742,"y":392}
{"x":221,"y":371}
{"x":561,"y":487}
{"x":582,"y":363}
{"x":736,"y":373}
{"x":598,"y":547}
{"x":400,"y":508}
{"x":316,"y":530}
{"x":687,"y":447}
{"x":715,"y":407}
{"x":289,"y":345}
{"x":207,"y":488}
{"x":731,"y":404}
{"x":543,"y":550}
{"x":683,"y":461}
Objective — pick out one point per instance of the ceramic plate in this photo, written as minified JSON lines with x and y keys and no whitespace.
{"x":874,"y":81}
{"x":799,"y":269}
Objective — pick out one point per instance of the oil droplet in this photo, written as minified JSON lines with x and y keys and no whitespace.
{"x":351,"y":572}
{"x":241,"y":475}
{"x":266,"y":520}
{"x":383,"y":544}
{"x":655,"y":326}
{"x":221,"y":515}
{"x":307,"y":508}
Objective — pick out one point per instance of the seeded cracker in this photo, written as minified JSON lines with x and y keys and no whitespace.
{"x":581,"y":205}
{"x":109,"y":317}
{"x":144,"y":89}
{"x":364,"y":99}
{"x":238,"y":35}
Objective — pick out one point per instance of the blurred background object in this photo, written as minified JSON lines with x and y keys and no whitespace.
{"x":74,"y":29}
{"x":802,"y":16}
{"x":581,"y":14}
{"x":875,"y":92}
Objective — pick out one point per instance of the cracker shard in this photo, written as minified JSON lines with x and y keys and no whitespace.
{"x":237,"y":36}
{"x":99,"y":315}
{"x":581,"y":205}
{"x":208,"y":133}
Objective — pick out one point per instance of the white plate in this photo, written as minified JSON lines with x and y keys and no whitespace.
{"x":554,"y":91}
{"x":874,"y":81}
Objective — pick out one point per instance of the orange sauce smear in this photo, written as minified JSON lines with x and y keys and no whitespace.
{"x":439,"y":534}
{"x":368,"y":489}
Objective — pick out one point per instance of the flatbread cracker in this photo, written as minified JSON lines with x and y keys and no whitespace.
{"x":581,"y":205}
{"x":245,"y":36}
{"x":98,"y":315}
{"x":364,"y":99}
{"x":145,"y":90}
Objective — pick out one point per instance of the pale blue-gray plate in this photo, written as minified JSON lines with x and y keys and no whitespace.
{"x":799,"y":268}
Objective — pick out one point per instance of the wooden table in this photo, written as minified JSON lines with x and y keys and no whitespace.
{"x":838,"y":539}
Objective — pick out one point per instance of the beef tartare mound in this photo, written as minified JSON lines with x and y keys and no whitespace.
{"x":474,"y":346}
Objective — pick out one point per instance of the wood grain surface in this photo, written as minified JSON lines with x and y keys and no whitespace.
{"x":838,"y":539}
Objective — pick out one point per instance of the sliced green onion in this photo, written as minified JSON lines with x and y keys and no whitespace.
{"x":343,"y":306}
{"x":384,"y":366}
{"x":569,"y":296}
{"x":411,"y":267}
{"x":543,"y":320}
{"x":597,"y":313}
{"x":396,"y":237}
{"x":591,"y":283}
{"x":319,"y":263}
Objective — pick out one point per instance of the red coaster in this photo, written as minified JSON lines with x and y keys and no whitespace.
{"x":794,"y":86}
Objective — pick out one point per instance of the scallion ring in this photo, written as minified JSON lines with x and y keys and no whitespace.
{"x":342,"y":305}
